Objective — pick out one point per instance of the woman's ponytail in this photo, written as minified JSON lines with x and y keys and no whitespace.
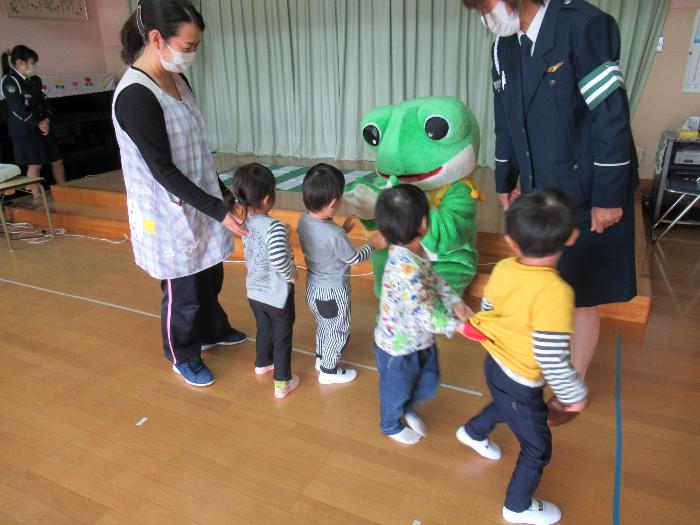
{"x":132,"y":41}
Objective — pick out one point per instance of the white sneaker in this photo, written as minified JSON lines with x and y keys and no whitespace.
{"x":342,"y":375}
{"x":317,"y":366}
{"x":539,"y":513}
{"x":407,"y":436}
{"x":262,"y":370}
{"x":414,"y":421}
{"x":485,"y":448}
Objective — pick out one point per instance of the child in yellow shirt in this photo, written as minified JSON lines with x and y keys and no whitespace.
{"x":525,"y":324}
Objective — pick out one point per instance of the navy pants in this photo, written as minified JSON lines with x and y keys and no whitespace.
{"x":523,"y":409}
{"x":404,"y":381}
{"x":273,"y":339}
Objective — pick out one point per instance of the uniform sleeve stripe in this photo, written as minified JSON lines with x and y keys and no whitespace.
{"x":502,"y":160}
{"x":604,"y":91}
{"x":598,"y":76}
{"x":617,"y":165}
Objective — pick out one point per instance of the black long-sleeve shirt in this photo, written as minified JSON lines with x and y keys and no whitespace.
{"x":141,"y":116}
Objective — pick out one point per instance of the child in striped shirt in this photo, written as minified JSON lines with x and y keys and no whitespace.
{"x":525,"y":324}
{"x":271,"y":276}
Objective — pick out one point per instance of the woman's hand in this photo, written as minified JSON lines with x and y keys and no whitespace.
{"x":508,"y":198}
{"x":603,"y":218}
{"x":234,"y":223}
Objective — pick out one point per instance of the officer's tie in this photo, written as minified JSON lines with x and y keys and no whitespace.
{"x":525,"y":62}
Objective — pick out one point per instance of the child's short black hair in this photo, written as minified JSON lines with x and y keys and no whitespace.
{"x":400,"y":212}
{"x":252,"y":183}
{"x":541,"y":222}
{"x":322,"y":183}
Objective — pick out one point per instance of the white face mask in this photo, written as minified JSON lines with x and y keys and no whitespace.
{"x":179,"y":63}
{"x":31,"y":70}
{"x":500,"y":21}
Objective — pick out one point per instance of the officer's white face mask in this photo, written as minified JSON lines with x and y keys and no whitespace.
{"x":500,"y":21}
{"x":31,"y":70}
{"x":180,"y":61}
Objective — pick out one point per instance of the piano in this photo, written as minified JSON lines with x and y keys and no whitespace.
{"x":83,"y":127}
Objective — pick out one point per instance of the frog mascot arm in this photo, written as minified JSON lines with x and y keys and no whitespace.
{"x":432,"y":143}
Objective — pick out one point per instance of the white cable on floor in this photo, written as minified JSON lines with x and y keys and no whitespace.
{"x":41,"y":236}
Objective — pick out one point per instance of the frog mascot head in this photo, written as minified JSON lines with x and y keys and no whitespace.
{"x":432,"y":143}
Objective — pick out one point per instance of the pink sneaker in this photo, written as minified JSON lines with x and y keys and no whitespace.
{"x":284,"y":391}
{"x":262,"y":370}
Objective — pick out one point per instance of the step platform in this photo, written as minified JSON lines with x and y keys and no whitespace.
{"x":97,"y":206}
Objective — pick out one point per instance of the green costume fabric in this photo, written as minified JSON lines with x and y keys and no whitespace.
{"x":432,"y":143}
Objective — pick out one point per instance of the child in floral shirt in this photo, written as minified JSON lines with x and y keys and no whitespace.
{"x":409,"y":314}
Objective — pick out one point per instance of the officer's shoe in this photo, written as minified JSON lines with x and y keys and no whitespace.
{"x":234,"y":337}
{"x":195,"y":373}
{"x":539,"y":513}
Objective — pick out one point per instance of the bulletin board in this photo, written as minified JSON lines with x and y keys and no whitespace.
{"x":55,"y":9}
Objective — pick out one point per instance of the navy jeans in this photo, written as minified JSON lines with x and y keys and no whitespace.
{"x":523,"y":409}
{"x":404,"y":381}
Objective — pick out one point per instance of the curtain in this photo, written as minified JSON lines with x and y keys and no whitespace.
{"x":294,"y":77}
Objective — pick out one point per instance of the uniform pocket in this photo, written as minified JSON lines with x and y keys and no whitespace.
{"x":573,"y":179}
{"x":327,"y":309}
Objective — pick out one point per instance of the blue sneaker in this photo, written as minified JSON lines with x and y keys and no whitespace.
{"x":195,"y":373}
{"x":234,"y":337}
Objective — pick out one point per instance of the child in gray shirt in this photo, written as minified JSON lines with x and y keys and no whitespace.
{"x":329,"y":254}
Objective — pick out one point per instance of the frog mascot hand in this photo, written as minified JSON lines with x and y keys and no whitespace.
{"x":432,"y":143}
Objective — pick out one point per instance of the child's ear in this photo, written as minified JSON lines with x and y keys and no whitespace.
{"x":573,"y":237}
{"x":423,"y":226}
{"x":513,"y":245}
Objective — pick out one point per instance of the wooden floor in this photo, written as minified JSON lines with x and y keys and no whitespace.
{"x":77,"y":376}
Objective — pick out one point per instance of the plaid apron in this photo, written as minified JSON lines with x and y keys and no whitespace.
{"x":170,"y":238}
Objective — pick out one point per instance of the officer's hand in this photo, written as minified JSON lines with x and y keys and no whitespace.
{"x":44,"y":127}
{"x":603,"y":218}
{"x":234,"y":224}
{"x":508,"y":198}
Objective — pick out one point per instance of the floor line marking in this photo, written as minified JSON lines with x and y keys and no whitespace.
{"x":618,"y":432}
{"x":156,"y":316}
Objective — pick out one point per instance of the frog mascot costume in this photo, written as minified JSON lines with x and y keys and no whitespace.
{"x":432,"y":143}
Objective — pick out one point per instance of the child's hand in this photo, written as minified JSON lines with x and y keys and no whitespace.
{"x":293,"y":280}
{"x":350,"y":222}
{"x":462,"y":311}
{"x":288,"y":229}
{"x":577,"y":407}
{"x":377,"y":241}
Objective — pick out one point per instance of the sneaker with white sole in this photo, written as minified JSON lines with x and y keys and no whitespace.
{"x":317,"y":366}
{"x":262,"y":370}
{"x":407,"y":436}
{"x":414,"y":421}
{"x":485,"y":447}
{"x":234,"y":337}
{"x":284,"y":391}
{"x":195,"y":373}
{"x":540,"y":513}
{"x":341,"y":375}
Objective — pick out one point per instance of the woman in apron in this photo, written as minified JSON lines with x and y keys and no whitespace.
{"x":179,"y":221}
{"x":29,"y":117}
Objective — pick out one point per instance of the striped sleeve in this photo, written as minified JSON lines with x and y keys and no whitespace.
{"x":360,"y":255}
{"x":486,"y":306}
{"x":551,"y":351}
{"x":278,"y":248}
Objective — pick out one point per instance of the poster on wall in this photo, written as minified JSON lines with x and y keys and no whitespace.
{"x":55,"y":9}
{"x":691,"y":83}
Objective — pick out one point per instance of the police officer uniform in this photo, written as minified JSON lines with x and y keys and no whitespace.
{"x":562,"y":121}
{"x":27,"y":106}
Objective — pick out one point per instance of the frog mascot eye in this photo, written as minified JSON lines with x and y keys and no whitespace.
{"x":436,"y":127}
{"x":372,"y":135}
